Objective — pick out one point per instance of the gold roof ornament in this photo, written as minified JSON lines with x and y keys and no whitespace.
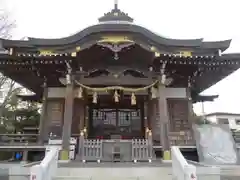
{"x":115,"y":39}
{"x":185,"y":53}
{"x":78,"y":48}
{"x":157,"y":54}
{"x":47,"y":53}
{"x":74,"y":54}
{"x":150,"y":133}
{"x":147,"y":129}
{"x":11,"y":51}
{"x":153,"y":48}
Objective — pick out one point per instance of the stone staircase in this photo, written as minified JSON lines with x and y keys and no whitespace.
{"x":114,"y":171}
{"x":236,"y":136}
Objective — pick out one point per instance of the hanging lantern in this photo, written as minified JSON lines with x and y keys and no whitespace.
{"x":163,"y":80}
{"x":95,"y":98}
{"x":116,"y":96}
{"x":133,"y":99}
{"x":80,"y":92}
{"x":153,"y":92}
{"x":68,"y":79}
{"x":11,"y":51}
{"x":147,"y":129}
{"x":150,"y":133}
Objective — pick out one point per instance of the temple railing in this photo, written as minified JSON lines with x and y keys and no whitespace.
{"x":46,"y":170}
{"x":115,"y":150}
{"x":142,"y":150}
{"x":10,"y":139}
{"x":181,"y":170}
{"x":91,"y":149}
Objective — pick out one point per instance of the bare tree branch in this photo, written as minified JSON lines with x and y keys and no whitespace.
{"x":6,"y":25}
{"x":7,"y":86}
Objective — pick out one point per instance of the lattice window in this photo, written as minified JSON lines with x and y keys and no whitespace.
{"x":104,"y":116}
{"x":136,"y":120}
{"x":124,"y":118}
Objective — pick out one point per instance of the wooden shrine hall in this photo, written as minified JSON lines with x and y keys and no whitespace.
{"x":117,"y":80}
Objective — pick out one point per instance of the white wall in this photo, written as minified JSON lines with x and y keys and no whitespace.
{"x":231,"y":120}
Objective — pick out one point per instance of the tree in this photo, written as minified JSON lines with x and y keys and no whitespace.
{"x":6,"y":25}
{"x":8,"y":87}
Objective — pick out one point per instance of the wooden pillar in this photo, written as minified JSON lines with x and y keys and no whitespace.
{"x":190,"y":114}
{"x":43,"y":118}
{"x":82,"y":113}
{"x":145,"y":118}
{"x":164,"y":121}
{"x":78,"y":117}
{"x":151,"y":114}
{"x":86,"y":120}
{"x":67,"y":122}
{"x":190,"y":106}
{"x":154,"y":119}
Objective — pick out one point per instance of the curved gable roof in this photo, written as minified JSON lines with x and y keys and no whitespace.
{"x":118,"y":21}
{"x":116,"y":28}
{"x":132,"y":28}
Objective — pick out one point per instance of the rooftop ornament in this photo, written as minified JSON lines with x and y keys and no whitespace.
{"x":115,"y":15}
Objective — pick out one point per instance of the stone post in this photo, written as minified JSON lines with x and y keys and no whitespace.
{"x":67,"y":122}
{"x":43,"y":118}
{"x":25,"y":156}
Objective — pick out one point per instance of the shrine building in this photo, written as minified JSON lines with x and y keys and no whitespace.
{"x":117,"y":80}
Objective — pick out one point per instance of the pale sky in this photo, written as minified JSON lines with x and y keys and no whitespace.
{"x":208,"y":19}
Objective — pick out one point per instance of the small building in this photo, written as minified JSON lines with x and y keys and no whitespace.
{"x":233,"y":119}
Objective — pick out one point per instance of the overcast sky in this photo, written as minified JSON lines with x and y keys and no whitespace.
{"x":208,"y":19}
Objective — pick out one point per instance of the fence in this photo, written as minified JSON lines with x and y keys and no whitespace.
{"x":18,"y":139}
{"x":180,"y":168}
{"x":98,"y":149}
{"x":142,"y":150}
{"x":91,"y":149}
{"x":46,"y":170}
